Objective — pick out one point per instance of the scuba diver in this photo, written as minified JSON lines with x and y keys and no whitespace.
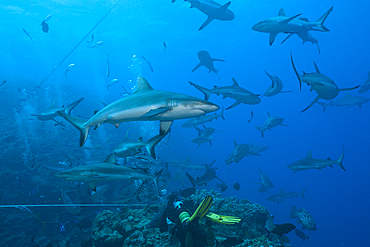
{"x":187,"y":228}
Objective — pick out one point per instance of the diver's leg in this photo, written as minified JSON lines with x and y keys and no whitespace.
{"x":189,"y":239}
{"x":210,"y":237}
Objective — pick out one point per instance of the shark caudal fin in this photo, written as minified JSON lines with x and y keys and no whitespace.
{"x":302,"y":193}
{"x":205,"y":91}
{"x":79,"y":124}
{"x":324,"y":105}
{"x":260,"y":129}
{"x":320,"y":22}
{"x":340,"y":160}
{"x":296,"y":72}
{"x":71,"y":106}
{"x":151,"y":144}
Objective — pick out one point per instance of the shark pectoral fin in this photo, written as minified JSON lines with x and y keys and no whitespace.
{"x":348,"y":89}
{"x":233,"y":105}
{"x":218,"y":60}
{"x":272,"y":38}
{"x":312,"y":103}
{"x":287,"y":37}
{"x":196,"y":67}
{"x":209,"y":19}
{"x":164,"y":127}
{"x":93,"y":186}
{"x":155,"y":112}
{"x":116,"y":124}
{"x":289,"y":19}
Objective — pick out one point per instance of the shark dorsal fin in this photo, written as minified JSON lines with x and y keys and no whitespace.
{"x":110,"y":159}
{"x":235,"y":144}
{"x":268,"y":114}
{"x":282,"y":12}
{"x":317,"y":69}
{"x":309,"y":155}
{"x":142,"y":85}
{"x":224,"y":7}
{"x":235,"y":83}
{"x":52,"y":103}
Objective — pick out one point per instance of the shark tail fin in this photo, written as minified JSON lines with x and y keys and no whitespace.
{"x":296,"y":72}
{"x":302,"y":193}
{"x":260,"y":129}
{"x":340,"y":160}
{"x":321,"y":20}
{"x":191,"y":179}
{"x":79,"y":124}
{"x":71,"y":106}
{"x":151,"y":144}
{"x":205,"y":91}
{"x":324,"y":105}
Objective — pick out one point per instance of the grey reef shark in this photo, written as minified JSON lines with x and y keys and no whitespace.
{"x":241,"y":95}
{"x":212,"y":9}
{"x":271,"y":122}
{"x":322,"y":84}
{"x":207,"y":61}
{"x":275,"y":87}
{"x":291,"y":25}
{"x":146,"y":104}
{"x":311,"y":163}
{"x":349,"y":100}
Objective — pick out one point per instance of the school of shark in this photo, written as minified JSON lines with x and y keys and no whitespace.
{"x":133,"y":169}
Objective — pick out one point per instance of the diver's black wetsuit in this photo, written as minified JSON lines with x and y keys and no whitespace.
{"x":179,"y":230}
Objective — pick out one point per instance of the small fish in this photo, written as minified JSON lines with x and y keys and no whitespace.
{"x":97,"y":44}
{"x":251,"y":117}
{"x":27,"y":34}
{"x":222,"y":186}
{"x":150,"y":66}
{"x":301,"y":234}
{"x":165,"y":46}
{"x":236,"y":186}
{"x":3,"y":83}
{"x":111,"y":83}
{"x":108,"y":68}
{"x":45,"y":27}
{"x":303,"y":217}
{"x":92,"y":39}
{"x":69,"y":67}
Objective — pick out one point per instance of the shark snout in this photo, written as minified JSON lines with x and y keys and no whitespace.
{"x":207,"y":107}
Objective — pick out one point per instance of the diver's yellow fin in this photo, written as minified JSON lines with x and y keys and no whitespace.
{"x":202,"y":209}
{"x":223,"y":219}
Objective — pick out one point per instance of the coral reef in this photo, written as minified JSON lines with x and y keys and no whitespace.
{"x":128,"y":226}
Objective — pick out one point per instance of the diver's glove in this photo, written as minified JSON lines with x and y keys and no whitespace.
{"x":223,"y":219}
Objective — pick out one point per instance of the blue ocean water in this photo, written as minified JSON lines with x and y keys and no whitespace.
{"x":336,"y":199}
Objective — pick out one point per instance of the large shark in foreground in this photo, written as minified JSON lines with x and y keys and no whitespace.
{"x":284,"y":24}
{"x":106,"y":171}
{"x":311,"y":163}
{"x":146,"y":104}
{"x":323,"y":85}
{"x":213,"y":10}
